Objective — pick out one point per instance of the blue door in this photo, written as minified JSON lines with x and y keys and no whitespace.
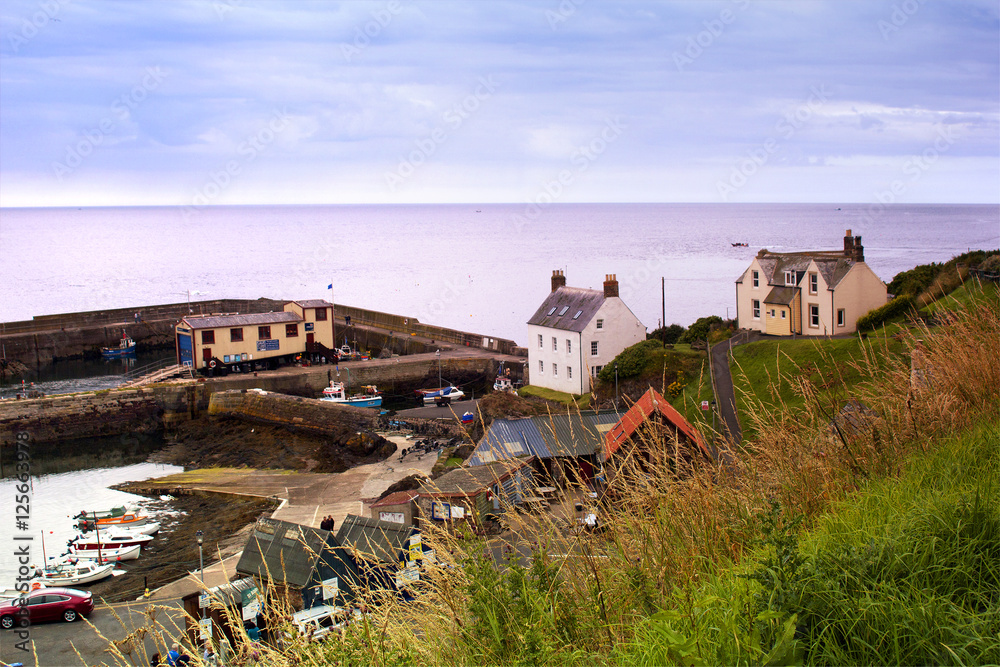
{"x":184,"y":347}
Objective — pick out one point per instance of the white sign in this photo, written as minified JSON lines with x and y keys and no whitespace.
{"x":331,"y":587}
{"x":204,"y":601}
{"x":457,"y":512}
{"x":704,"y":405}
{"x":394,"y":517}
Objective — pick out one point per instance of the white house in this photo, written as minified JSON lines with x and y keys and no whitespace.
{"x":810,"y":293}
{"x":575,"y":332}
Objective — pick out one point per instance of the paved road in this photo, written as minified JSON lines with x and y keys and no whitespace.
{"x":452,"y":411}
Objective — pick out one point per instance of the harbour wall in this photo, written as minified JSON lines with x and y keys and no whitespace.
{"x":48,"y":338}
{"x":148,"y":409}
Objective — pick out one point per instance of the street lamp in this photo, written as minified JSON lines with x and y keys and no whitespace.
{"x":201,"y":560}
{"x":438,"y":355}
{"x":616,"y":385}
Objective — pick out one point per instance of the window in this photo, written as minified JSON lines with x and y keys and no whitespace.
{"x":841,"y":317}
{"x":755,"y":304}
{"x":552,"y":310}
{"x":541,"y":366}
{"x":562,"y":311}
{"x":320,"y":314}
{"x":569,"y":372}
{"x":756,"y":279}
{"x":789,"y":278}
{"x":813,"y":283}
{"x":236,"y":335}
{"x":578,"y":314}
{"x":593,"y":348}
{"x":569,"y":346}
{"x":772,"y":312}
{"x":291,"y":330}
{"x":555,"y":345}
{"x":782,"y":313}
{"x":600,"y":324}
{"x":540,"y":343}
{"x":263,"y":333}
{"x":595,"y":370}
{"x":813,"y":315}
{"x":555,"y":370}
{"x":208,"y":337}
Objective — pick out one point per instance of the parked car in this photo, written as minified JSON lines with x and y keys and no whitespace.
{"x":47,"y":604}
{"x":317,"y":622}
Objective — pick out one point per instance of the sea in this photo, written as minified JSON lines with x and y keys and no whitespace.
{"x":479,"y":268}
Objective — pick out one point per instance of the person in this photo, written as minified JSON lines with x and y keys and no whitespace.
{"x":155,"y":661}
{"x":209,"y":657}
{"x":177,"y":659}
{"x":252,"y":632}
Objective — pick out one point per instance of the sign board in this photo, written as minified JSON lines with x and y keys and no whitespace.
{"x":406,"y":576}
{"x":310,"y":326}
{"x":268,"y":345}
{"x":440,"y":511}
{"x":331,"y":588}
{"x":416,"y":547}
{"x":457,"y":512}
{"x":206,"y":628}
{"x":204,"y":601}
{"x":704,"y":405}
{"x":393,"y":517}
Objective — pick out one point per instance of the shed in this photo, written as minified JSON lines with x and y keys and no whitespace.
{"x":475,"y":492}
{"x":398,"y":507}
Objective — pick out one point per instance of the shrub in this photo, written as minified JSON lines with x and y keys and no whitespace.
{"x":631,"y":361}
{"x":700,"y":329}
{"x":667,"y":335}
{"x":876,"y":317}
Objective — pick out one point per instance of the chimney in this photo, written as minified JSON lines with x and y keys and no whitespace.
{"x":558,"y":279}
{"x":859,"y":250}
{"x":610,"y":286}
{"x":848,"y":244}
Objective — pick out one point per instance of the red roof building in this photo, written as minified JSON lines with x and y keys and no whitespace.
{"x":649,"y":404}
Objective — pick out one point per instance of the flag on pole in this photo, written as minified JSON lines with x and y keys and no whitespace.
{"x":330,"y":286}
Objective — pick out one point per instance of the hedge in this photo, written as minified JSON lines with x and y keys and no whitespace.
{"x":876,"y":317}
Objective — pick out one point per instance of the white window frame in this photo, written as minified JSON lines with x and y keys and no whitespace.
{"x":813,"y":283}
{"x":814,"y":316}
{"x":600,"y":323}
{"x":569,"y":346}
{"x":541,"y":341}
{"x":541,"y":367}
{"x":782,"y":313}
{"x":569,"y":372}
{"x":756,"y":279}
{"x":755,"y":309}
{"x":555,"y":344}
{"x":593,"y":348}
{"x":555,"y":370}
{"x":841,"y":317}
{"x":789,"y":278}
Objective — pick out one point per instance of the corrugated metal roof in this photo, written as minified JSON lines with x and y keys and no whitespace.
{"x":647,"y":404}
{"x":509,"y":439}
{"x":283,"y":552}
{"x":575,"y":434}
{"x":569,"y":301}
{"x":248,"y":320}
{"x":373,"y":539}
{"x":473,"y":480}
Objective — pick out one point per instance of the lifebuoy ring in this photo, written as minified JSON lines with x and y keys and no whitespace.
{"x":211,"y":364}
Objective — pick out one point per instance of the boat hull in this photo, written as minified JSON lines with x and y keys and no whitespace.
{"x":106,"y":555}
{"x":65,"y":577}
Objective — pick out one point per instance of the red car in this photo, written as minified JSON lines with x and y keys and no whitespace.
{"x":47,"y":604}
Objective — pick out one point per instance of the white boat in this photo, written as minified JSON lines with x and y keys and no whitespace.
{"x":442,"y":396}
{"x":148,"y":528}
{"x":112,"y":537}
{"x":73,"y":574}
{"x":368,"y":398}
{"x":109,"y":555}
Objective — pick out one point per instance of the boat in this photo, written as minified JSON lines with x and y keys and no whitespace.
{"x":129,"y":520}
{"x":73,"y":574}
{"x":503,"y":384}
{"x":126,"y":347}
{"x":345,"y":353}
{"x":106,"y":555}
{"x":121,"y":510}
{"x":441,"y":396}
{"x":112,"y":537}
{"x":368,"y":398}
{"x":740,"y":245}
{"x":147,"y":528}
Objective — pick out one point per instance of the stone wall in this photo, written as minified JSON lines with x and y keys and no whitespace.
{"x":308,"y":414}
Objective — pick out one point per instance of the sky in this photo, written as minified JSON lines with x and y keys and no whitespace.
{"x":226,"y":102}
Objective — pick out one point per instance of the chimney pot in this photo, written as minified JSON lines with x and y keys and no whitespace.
{"x":558,"y":279}
{"x":610,"y":286}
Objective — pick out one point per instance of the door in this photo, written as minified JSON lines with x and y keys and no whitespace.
{"x":184,"y":346}
{"x":310,"y":341}
{"x":206,"y":354}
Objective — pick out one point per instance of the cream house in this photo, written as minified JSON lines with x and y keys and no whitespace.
{"x":810,"y":293}
{"x":576,"y":332}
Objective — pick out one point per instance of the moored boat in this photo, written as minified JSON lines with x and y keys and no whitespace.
{"x":441,"y":396}
{"x":129,"y":520}
{"x":126,"y":347}
{"x":368,"y":398}
{"x":121,"y":510}
{"x":73,"y":574}
{"x":112,"y":537}
{"x":106,"y":555}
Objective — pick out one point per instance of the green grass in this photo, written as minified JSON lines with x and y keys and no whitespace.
{"x":583,"y":402}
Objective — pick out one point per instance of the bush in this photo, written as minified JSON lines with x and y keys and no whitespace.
{"x":876,"y":317}
{"x":700,"y":329}
{"x":631,"y":361}
{"x":667,"y":335}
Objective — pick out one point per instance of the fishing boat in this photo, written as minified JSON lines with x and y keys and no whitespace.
{"x":73,"y":574}
{"x":441,"y":396}
{"x":106,"y":555}
{"x":740,"y":245}
{"x":129,"y":520}
{"x":147,"y":528}
{"x":368,"y":398}
{"x":112,"y":537}
{"x":126,"y":347}
{"x":121,"y":510}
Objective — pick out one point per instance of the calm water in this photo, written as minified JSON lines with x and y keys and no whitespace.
{"x":56,"y":498}
{"x":482,"y":268}
{"x":66,"y":377}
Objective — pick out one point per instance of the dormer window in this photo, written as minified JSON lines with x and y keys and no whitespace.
{"x":789,"y":278}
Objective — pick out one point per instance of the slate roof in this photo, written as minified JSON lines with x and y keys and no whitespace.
{"x":781,"y":295}
{"x":374,"y":539}
{"x":396,"y":498}
{"x":473,"y":480}
{"x":832,"y":265}
{"x":568,"y":301}
{"x":313,"y":303}
{"x":250,"y":319}
{"x":575,"y":434}
{"x":647,"y":404}
{"x":283,"y":552}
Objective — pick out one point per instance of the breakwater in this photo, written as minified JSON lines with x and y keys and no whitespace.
{"x":150,"y":408}
{"x":48,"y":338}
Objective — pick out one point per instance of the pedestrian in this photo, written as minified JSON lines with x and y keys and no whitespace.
{"x":136,"y":317}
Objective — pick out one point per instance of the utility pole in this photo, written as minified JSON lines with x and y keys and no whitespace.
{"x":663,"y":296}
